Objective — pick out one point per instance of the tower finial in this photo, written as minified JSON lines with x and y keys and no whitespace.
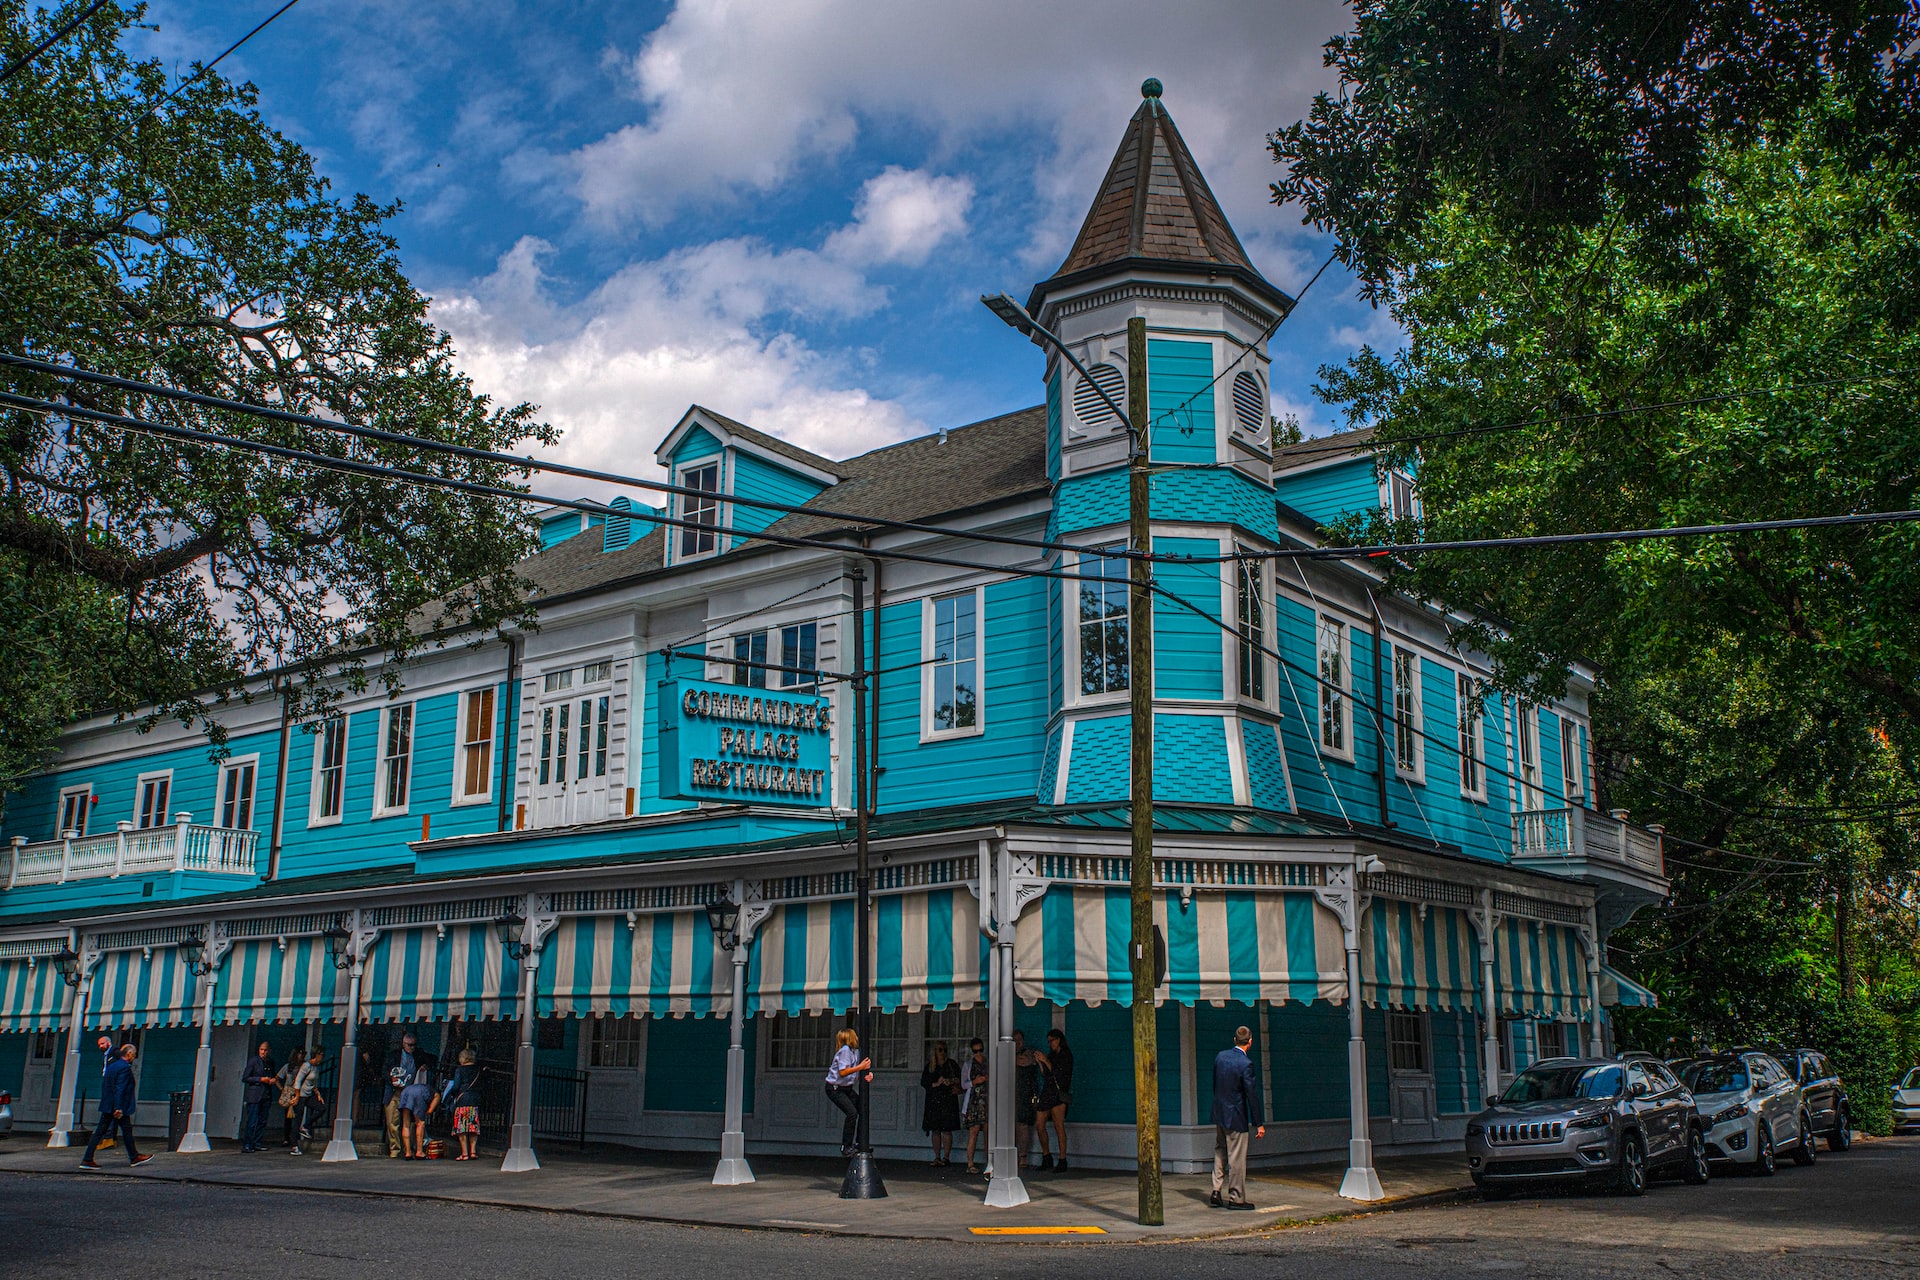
{"x":1150,"y":87}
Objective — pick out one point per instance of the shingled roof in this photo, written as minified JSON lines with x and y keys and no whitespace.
{"x":774,"y":444}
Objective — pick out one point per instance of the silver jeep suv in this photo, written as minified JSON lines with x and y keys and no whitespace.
{"x":1601,"y":1121}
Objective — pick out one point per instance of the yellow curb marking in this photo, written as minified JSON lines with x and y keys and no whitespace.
{"x":1038,"y":1231}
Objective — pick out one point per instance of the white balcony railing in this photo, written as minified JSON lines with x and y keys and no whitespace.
{"x":1582,"y":833}
{"x":183,"y":846}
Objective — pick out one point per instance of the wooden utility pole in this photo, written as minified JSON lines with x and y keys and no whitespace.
{"x":863,"y":1179}
{"x":1146,"y":1047}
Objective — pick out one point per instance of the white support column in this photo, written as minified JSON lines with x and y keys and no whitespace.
{"x":520,"y":1157}
{"x":1005,"y":1190}
{"x":195,"y":1139}
{"x":1342,"y":894}
{"x":1590,"y":935}
{"x":63,"y":1118}
{"x":340,"y":1146}
{"x":1484,"y":923}
{"x":733,"y":1169}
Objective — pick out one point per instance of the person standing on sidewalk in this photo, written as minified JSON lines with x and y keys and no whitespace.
{"x":463,"y":1095}
{"x":117,"y":1092}
{"x":1056,"y":1092}
{"x":1236,"y":1110}
{"x":258,"y":1079}
{"x":404,"y":1066}
{"x":940,"y":1114}
{"x":843,"y":1089}
{"x":301,"y":1080}
{"x":974,"y":1112}
{"x":313,"y":1103}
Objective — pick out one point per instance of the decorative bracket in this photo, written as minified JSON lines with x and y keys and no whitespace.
{"x":1338,"y":895}
{"x":754,"y":910}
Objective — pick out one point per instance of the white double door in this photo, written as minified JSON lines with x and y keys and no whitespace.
{"x":570,"y":750}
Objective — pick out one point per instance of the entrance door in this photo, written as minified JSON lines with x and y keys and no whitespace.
{"x":570,"y":758}
{"x":41,"y":1077}
{"x":1410,"y":1064}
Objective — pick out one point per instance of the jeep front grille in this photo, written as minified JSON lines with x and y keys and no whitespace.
{"x":1542,"y":1131}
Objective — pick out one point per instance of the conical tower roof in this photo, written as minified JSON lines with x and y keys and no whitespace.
{"x":1155,"y":210}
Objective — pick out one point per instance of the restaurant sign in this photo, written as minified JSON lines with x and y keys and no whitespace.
{"x":750,"y":746}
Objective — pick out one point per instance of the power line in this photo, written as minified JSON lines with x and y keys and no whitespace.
{"x":528,"y":463}
{"x":21,"y":62}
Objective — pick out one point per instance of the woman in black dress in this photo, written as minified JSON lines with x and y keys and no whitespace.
{"x":1026,"y":1093}
{"x":1056,"y":1091}
{"x":941,"y":1114}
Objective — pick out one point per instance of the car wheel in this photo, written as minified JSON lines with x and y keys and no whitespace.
{"x":1630,"y":1175}
{"x":1696,"y":1171}
{"x":1807,"y":1151}
{"x":1842,"y":1136}
{"x":1763,"y":1150}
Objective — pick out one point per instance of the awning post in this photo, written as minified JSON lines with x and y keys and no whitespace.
{"x":63,"y":1119}
{"x":1004,"y":1189}
{"x":194,"y":1140}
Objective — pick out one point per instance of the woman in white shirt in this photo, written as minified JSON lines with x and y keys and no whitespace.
{"x":843,"y":1078}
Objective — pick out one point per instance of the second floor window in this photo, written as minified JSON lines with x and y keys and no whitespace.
{"x":700,"y":509}
{"x":592,"y":751}
{"x":396,"y":759}
{"x":1103,"y":625}
{"x":74,"y":805}
{"x":554,"y":722}
{"x":1526,"y":722}
{"x":476,"y":746}
{"x":1473,"y":780}
{"x":799,"y":647}
{"x":749,"y":649}
{"x":1409,"y":749}
{"x":956,"y":663}
{"x":154,"y":789}
{"x":1404,"y":504}
{"x":1253,"y":633}
{"x":1331,"y":648}
{"x":1570,"y":760}
{"x":236,"y":795}
{"x":329,"y":782}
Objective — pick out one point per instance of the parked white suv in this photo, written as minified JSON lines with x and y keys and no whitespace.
{"x":1752,"y":1108}
{"x":1906,"y":1100}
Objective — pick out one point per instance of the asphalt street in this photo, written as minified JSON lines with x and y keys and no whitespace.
{"x":1852,"y":1215}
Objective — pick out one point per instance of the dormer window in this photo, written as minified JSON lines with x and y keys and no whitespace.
{"x":1402,"y":502}
{"x":700,"y":509}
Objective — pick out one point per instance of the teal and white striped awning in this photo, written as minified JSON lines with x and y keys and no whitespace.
{"x":418,"y":975}
{"x":1239,"y":946}
{"x":1411,"y":961}
{"x":142,"y":988}
{"x":1617,"y":989}
{"x":259,"y":981}
{"x":928,"y":953}
{"x":32,"y":995}
{"x":1540,"y":969}
{"x":664,"y":964}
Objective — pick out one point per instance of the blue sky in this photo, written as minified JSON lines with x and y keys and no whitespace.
{"x":786,"y":211}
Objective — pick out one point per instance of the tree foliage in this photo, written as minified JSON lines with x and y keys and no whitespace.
{"x":160,"y":230}
{"x":1581,"y":210}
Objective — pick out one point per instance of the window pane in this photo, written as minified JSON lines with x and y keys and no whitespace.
{"x":799,"y":648}
{"x":750,"y":648}
{"x":546,"y":744}
{"x":586,"y":736}
{"x":1103,"y":625}
{"x":600,"y":742}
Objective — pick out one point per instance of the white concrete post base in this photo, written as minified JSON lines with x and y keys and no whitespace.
{"x":1361,"y":1182}
{"x":341,"y":1146}
{"x":194,"y":1141}
{"x":57,"y":1136}
{"x":732,"y":1171}
{"x":520,"y":1157}
{"x":1007,"y":1192}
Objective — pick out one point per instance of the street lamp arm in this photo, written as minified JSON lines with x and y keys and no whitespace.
{"x":1017,"y":317}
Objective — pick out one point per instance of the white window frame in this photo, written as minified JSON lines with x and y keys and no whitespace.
{"x":628,"y":1043}
{"x":228,"y":770}
{"x":929,"y":732}
{"x":1070,"y":602}
{"x":792,"y":681}
{"x":588,"y":756}
{"x":1409,"y":747}
{"x":747,"y":676}
{"x":85,"y":808}
{"x":681,"y":470}
{"x":383,"y":762}
{"x":596,"y":672}
{"x":316,"y":787}
{"x":1344,"y":707}
{"x":1387,"y":483}
{"x":1264,"y":599}
{"x":1573,"y":779}
{"x":1421,"y":1040}
{"x":1526,"y":756}
{"x":1470,"y":706}
{"x":140,"y":796}
{"x":461,"y":745}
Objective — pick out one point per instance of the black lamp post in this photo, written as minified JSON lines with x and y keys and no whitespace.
{"x":723,"y":917}
{"x":339,"y":945}
{"x":67,"y":961}
{"x":512,"y":928}
{"x":193,"y":949}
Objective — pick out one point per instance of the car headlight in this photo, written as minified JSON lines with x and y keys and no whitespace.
{"x":1598,"y":1120}
{"x":1732,"y":1113}
{"x":1475,"y":1129}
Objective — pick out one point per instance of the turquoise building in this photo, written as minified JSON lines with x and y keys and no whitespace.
{"x":1396,"y":876}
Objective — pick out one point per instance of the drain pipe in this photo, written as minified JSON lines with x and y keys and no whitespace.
{"x":873,"y":691}
{"x":509,"y":721}
{"x":280,"y":783}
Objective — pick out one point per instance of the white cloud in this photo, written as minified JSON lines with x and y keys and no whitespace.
{"x":901,"y":216}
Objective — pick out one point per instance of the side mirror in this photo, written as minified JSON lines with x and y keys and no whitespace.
{"x":1493,"y":1100}
{"x":1637,"y":1089}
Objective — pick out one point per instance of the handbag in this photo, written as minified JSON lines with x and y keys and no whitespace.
{"x":289,"y":1097}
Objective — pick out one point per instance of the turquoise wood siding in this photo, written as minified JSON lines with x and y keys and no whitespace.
{"x":14,"y":1046}
{"x":34,"y":812}
{"x":1190,"y":760}
{"x":1552,"y":780}
{"x":1053,"y":428}
{"x":1187,"y":647}
{"x":1327,"y":493}
{"x":1180,"y":400}
{"x":1101,"y":1038}
{"x":1049,"y":769}
{"x":1323,"y":784}
{"x":687,"y":1064}
{"x":1203,"y":495}
{"x":166,"y":1064}
{"x":698,"y":443}
{"x":755,"y":477}
{"x":1305,"y":1039}
{"x":1454,"y":1035}
{"x":1004,"y":760}
{"x":1098,"y":768}
{"x":1266,"y":774}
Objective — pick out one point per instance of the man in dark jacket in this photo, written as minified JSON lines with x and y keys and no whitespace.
{"x":117,"y":1090}
{"x":257,"y":1077}
{"x":1236,"y":1109}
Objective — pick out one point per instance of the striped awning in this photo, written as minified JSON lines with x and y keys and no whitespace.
{"x":261,"y":982}
{"x":32,"y":995}
{"x":142,"y":989}
{"x":1411,"y":961}
{"x":665,"y":964}
{"x":417,"y":975}
{"x":928,"y":953}
{"x":1221,"y":946}
{"x":1539,"y":969}
{"x":1617,"y":988}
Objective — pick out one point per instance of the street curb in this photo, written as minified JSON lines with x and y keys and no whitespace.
{"x":1417,"y":1201}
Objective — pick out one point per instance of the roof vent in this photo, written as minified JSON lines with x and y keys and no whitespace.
{"x":618,"y":532}
{"x":1087,"y":404}
{"x":1249,"y":404}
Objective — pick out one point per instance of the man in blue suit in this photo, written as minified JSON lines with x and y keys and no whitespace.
{"x":116,"y":1108}
{"x":1236,"y":1110}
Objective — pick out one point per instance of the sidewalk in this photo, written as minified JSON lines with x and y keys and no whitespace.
{"x":792,"y":1194}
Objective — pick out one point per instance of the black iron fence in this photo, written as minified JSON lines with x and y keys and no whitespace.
{"x":559,"y":1102}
